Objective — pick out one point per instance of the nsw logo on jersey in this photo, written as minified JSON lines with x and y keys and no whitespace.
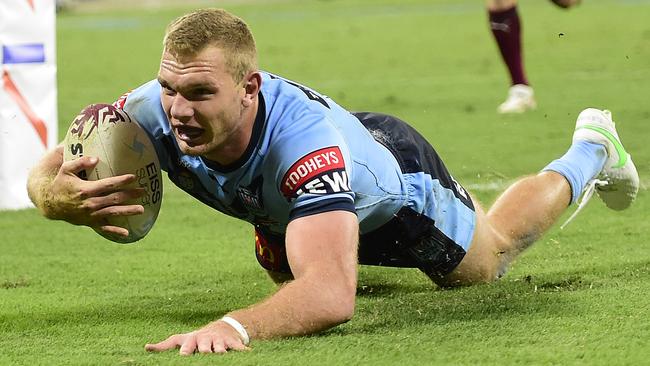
{"x":250,"y":197}
{"x":319,"y":172}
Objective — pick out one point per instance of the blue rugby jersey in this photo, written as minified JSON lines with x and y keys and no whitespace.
{"x":307,"y":155}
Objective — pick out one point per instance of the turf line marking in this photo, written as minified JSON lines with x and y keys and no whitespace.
{"x":501,"y":185}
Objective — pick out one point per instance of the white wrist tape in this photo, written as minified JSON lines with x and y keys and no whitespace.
{"x":238,"y":327}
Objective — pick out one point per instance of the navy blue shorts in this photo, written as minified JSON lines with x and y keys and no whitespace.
{"x":413,"y":238}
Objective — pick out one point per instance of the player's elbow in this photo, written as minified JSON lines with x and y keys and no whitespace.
{"x":338,"y":312}
{"x":346,"y":311}
{"x":347,"y":296}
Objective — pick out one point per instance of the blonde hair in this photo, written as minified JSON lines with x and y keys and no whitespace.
{"x":191,"y":33}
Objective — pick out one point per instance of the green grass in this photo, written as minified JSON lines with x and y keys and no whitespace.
{"x":580,"y":296}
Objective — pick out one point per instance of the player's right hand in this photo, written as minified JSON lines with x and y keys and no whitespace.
{"x":90,"y":203}
{"x":216,"y":337}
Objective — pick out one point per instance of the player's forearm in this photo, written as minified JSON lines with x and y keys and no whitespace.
{"x":40,"y":180}
{"x":322,"y":253}
{"x":304,"y":306}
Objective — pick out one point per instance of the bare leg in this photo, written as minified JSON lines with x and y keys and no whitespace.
{"x":517,"y":219}
{"x":528,"y":208}
{"x":498,"y":5}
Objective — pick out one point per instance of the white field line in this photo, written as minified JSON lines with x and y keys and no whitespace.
{"x":501,"y":185}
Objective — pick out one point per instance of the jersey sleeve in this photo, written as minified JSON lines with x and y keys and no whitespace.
{"x":312,"y":167}
{"x":143,"y":104}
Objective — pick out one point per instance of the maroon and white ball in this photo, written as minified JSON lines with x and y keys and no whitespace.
{"x":123,"y":147}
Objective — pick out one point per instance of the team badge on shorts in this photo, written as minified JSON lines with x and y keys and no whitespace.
{"x":319,"y":172}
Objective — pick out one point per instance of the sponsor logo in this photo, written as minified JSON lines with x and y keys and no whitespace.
{"x":77,"y":150}
{"x":148,"y":179}
{"x":23,"y":53}
{"x":319,"y":172}
{"x":94,"y":115}
{"x":271,"y":253}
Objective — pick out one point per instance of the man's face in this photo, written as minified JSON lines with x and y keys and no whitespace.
{"x":202,"y":101}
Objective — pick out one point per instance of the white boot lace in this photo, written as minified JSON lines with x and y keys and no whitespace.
{"x":587,"y":193}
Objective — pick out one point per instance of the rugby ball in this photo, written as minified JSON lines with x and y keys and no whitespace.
{"x":122,"y":147}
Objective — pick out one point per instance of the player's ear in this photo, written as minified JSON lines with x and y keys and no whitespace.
{"x":252,"y":84}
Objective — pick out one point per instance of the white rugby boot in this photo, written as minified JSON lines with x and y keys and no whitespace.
{"x":520,"y":99}
{"x":619,"y":180}
{"x":617,"y":183}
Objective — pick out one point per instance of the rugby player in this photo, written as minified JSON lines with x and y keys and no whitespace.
{"x":324,"y":188}
{"x":506,"y":29}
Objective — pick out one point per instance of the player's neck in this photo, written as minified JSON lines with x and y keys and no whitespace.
{"x":235,"y":147}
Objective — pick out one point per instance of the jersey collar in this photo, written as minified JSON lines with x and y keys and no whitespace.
{"x":258,"y":127}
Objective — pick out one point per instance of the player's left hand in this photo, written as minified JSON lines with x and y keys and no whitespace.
{"x":216,"y":337}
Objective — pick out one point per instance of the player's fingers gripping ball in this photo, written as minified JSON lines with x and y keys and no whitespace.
{"x":123,"y":147}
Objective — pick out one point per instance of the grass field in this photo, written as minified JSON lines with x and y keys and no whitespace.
{"x":579,"y":297}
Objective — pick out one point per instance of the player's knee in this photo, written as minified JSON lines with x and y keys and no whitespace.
{"x":469,"y":276}
{"x":486,"y":261}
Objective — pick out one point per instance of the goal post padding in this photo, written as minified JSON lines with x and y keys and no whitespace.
{"x":28,"y":94}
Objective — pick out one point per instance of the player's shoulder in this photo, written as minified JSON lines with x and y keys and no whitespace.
{"x":148,"y":92}
{"x":143,"y":104}
{"x":291,"y":95}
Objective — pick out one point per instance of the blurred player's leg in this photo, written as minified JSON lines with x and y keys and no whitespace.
{"x":506,"y":28}
{"x":521,"y":98}
{"x":595,"y":160}
{"x":565,"y":3}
